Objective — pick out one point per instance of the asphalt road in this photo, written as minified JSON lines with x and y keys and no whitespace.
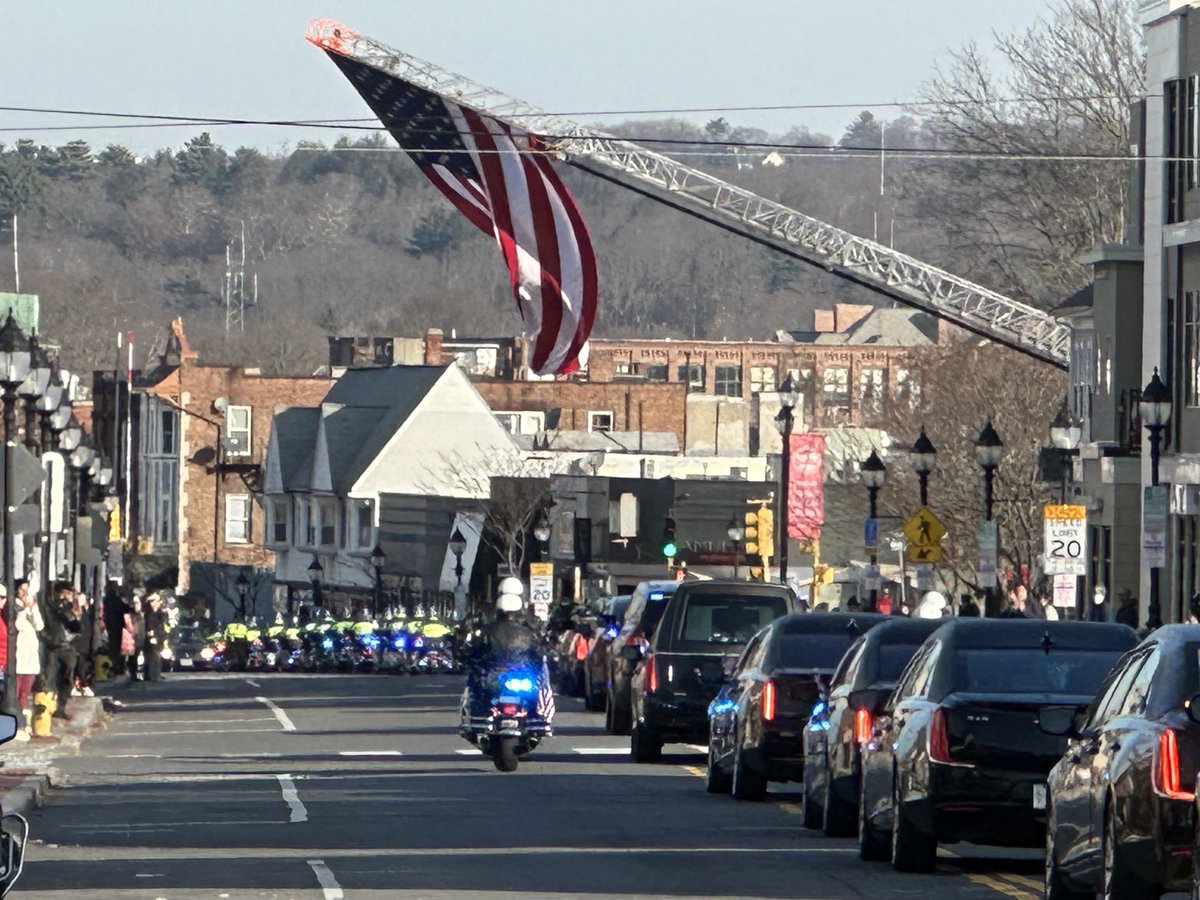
{"x":322,"y":787}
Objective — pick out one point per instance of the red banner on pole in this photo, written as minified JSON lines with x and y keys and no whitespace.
{"x":806,"y":493}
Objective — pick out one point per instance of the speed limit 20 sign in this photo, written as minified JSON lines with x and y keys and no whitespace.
{"x":1066,"y":539}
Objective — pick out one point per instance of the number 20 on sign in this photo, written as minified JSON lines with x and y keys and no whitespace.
{"x":1066,"y":539}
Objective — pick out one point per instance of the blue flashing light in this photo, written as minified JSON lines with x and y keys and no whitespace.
{"x":656,"y":595}
{"x":418,"y":642}
{"x":398,"y":642}
{"x":722,"y":705}
{"x":611,"y":632}
{"x":327,"y":643}
{"x":371,"y":641}
{"x":519,"y":684}
{"x":819,"y":708}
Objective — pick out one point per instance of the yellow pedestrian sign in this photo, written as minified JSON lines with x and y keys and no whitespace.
{"x":924,"y":532}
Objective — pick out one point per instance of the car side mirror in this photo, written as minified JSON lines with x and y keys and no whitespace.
{"x":1193,"y":708}
{"x":1061,"y":721}
{"x":632,"y":652}
{"x":8,"y":727}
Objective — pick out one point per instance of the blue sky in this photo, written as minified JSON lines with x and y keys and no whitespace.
{"x":249,"y":59}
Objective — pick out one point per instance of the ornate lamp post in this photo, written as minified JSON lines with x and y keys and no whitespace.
{"x":541,"y":534}
{"x":32,"y":389}
{"x":789,"y":396}
{"x":458,"y":546}
{"x":873,"y":473}
{"x":989,"y":450}
{"x":378,"y":558}
{"x":1155,"y":410}
{"x":243,"y":589}
{"x":923,"y":457}
{"x":15,"y":363}
{"x":736,"y":532}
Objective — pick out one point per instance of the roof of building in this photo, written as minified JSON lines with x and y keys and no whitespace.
{"x":665,"y":442}
{"x":295,"y":436}
{"x":1081,"y":299}
{"x":883,"y":327}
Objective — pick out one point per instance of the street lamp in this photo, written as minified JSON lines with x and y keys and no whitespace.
{"x":989,"y":450}
{"x":541,"y":534}
{"x":873,"y":473}
{"x":1155,"y":410}
{"x":736,"y":532}
{"x":378,"y":558}
{"x":789,"y":396}
{"x":458,"y":546}
{"x":243,"y":589}
{"x":48,"y":403}
{"x":315,"y":570}
{"x":33,"y":388}
{"x":923,"y":457}
{"x":14,"y":368}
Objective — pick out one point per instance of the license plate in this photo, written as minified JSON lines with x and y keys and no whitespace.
{"x":1039,"y":796}
{"x":185,"y":662}
{"x":508,"y":723}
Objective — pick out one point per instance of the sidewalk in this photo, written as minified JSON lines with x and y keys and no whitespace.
{"x":28,"y":769}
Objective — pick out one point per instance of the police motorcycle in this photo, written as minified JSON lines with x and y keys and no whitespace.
{"x":317,"y":643}
{"x":367,"y":641}
{"x":393,"y":643}
{"x":14,"y":829}
{"x":513,"y":710}
{"x":436,"y":653}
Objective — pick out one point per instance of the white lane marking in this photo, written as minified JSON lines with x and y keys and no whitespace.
{"x":154,"y":722}
{"x":600,"y":751}
{"x":699,"y":748}
{"x":329,"y":885}
{"x":292,"y":799}
{"x":197,"y":731}
{"x":471,"y":751}
{"x":253,"y":683}
{"x":370,"y":753}
{"x":279,"y":714}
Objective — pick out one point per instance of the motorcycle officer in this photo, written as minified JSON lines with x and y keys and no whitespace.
{"x":507,"y":641}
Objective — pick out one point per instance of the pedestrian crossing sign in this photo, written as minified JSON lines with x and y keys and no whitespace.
{"x":924,"y":532}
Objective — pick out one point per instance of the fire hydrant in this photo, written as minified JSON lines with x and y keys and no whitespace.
{"x":44,"y":705}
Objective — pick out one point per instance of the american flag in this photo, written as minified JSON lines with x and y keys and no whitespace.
{"x":502,"y":181}
{"x":545,"y":697}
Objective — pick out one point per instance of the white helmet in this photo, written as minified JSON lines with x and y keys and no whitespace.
{"x":512,"y":585}
{"x":509,"y":603}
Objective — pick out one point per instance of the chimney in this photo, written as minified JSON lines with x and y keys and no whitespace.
{"x":850,"y":314}
{"x":433,"y":347}
{"x":822,"y":320}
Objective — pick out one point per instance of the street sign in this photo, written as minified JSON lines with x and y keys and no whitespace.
{"x":924,"y":532}
{"x":1066,"y":539}
{"x":987,"y":552}
{"x":1064,"y":591}
{"x":541,"y":588}
{"x":1154,"y":526}
{"x":871,"y":534}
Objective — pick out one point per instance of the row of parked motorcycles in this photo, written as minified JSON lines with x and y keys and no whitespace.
{"x":396,"y":648}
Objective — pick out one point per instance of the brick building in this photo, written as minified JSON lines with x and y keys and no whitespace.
{"x":199,"y":437}
{"x":527,"y":407}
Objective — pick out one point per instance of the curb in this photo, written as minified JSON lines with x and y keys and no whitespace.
{"x":30,"y":793}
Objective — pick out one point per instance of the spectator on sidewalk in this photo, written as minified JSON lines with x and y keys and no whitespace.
{"x":156,"y":637}
{"x":61,"y":636}
{"x":113,"y":615}
{"x":29,"y":646}
{"x":90,"y":642}
{"x":133,"y":636}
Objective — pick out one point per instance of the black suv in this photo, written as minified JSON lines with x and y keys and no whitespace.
{"x":704,"y":629}
{"x":629,"y":646}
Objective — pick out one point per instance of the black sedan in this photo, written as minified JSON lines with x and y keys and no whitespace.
{"x":756,"y":722}
{"x":958,"y":754}
{"x":1120,"y":813}
{"x":861,"y":687}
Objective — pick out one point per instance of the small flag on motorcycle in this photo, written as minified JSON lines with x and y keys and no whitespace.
{"x":545,"y":697}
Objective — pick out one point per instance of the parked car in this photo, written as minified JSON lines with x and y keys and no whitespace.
{"x":185,"y":649}
{"x":756,"y":721}
{"x":641,"y":619}
{"x":1120,"y":814}
{"x":859,"y":689}
{"x":704,"y":629}
{"x":595,"y":672}
{"x":957,"y":754}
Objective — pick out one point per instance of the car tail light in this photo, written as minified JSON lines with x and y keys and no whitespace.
{"x":509,"y":709}
{"x":1166,"y":776}
{"x":939,"y":740}
{"x":651,"y":675}
{"x":862,"y":726}
{"x":768,"y":701}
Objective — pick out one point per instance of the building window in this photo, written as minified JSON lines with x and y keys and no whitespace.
{"x":693,"y":375}
{"x":168,"y":420}
{"x":762,"y":378}
{"x":728,"y":381}
{"x":278,"y":509}
{"x":600,"y":420}
{"x":651,"y":371}
{"x":622,"y":368}
{"x":327,"y":522}
{"x":836,"y":387}
{"x":364,"y":524}
{"x":872,"y":390}
{"x":237,"y":518}
{"x":510,"y":422}
{"x":1180,"y":102}
{"x":237,"y":430}
{"x":307,"y":524}
{"x":1191,"y":347}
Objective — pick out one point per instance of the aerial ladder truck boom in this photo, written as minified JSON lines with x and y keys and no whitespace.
{"x":868,"y":263}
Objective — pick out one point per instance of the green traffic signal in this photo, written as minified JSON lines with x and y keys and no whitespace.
{"x":669,"y":549}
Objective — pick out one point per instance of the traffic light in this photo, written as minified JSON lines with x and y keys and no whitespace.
{"x":669,"y":548}
{"x":766,"y":533}
{"x":750,"y":534}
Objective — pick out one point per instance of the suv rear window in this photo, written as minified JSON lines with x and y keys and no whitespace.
{"x":729,"y":618}
{"x":892,"y":658}
{"x":1032,"y":671}
{"x":812,"y":651}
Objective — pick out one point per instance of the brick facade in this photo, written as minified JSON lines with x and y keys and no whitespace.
{"x":568,"y":405}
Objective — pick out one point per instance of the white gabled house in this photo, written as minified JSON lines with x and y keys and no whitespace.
{"x":396,"y":457}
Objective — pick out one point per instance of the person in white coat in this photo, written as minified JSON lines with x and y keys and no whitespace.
{"x":29,"y":646}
